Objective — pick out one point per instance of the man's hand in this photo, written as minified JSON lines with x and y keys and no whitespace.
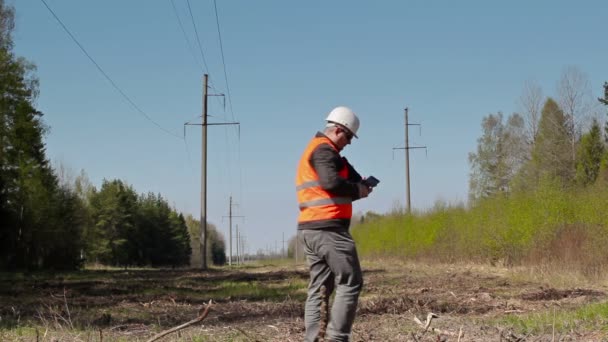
{"x":364,"y":190}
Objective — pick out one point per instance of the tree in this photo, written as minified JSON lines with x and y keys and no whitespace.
{"x":179,"y":243}
{"x":551,"y":153}
{"x":217,"y":250}
{"x":113,"y":215}
{"x":36,"y":212}
{"x":591,"y":151}
{"x":574,"y":98}
{"x":216,"y":247}
{"x":501,"y":150}
{"x":293,"y":243}
{"x":531,"y":102}
{"x":7,"y":24}
{"x":605,"y":99}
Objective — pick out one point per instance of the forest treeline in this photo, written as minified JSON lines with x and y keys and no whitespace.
{"x":538,"y":190}
{"x":49,"y":221}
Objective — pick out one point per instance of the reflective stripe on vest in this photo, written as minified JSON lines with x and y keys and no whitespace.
{"x":307,"y":185}
{"x":316,"y":203}
{"x":326,"y":201}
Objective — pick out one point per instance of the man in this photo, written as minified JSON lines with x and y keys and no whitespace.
{"x":326,"y":185}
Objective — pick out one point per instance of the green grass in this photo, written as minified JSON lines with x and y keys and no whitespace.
{"x":294,"y":288}
{"x":275,"y":262}
{"x":250,"y":290}
{"x":588,"y":317}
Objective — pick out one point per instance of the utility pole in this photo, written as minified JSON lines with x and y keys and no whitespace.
{"x":407,"y":160}
{"x":238,"y":257}
{"x":204,"y":166}
{"x":204,"y":176}
{"x":230,"y":231}
{"x":242,"y":248}
{"x":283,"y":250}
{"x":230,"y":216}
{"x":241,"y":244}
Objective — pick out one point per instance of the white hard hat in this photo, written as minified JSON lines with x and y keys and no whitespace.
{"x":344,"y":116}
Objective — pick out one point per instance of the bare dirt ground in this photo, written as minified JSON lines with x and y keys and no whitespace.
{"x":265,"y":303}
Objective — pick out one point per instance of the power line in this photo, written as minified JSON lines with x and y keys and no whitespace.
{"x":198,"y":39}
{"x":227,"y":89}
{"x":217,"y":20}
{"x":124,"y":95}
{"x":210,"y":85}
{"x":190,"y":48}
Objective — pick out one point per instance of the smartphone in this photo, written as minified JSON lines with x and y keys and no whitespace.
{"x":372,"y":181}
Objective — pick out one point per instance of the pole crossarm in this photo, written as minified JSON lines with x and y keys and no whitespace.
{"x":212,"y":124}
{"x":409,"y":148}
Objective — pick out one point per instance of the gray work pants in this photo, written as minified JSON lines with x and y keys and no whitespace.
{"x":333,"y":261}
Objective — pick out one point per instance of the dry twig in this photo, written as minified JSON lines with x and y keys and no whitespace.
{"x":67,"y":309}
{"x":427,"y":326}
{"x":202,"y":314}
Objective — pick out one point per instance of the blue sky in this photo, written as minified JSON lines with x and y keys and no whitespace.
{"x":288,"y":64}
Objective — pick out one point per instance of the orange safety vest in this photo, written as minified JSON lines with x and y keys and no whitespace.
{"x":316,"y":203}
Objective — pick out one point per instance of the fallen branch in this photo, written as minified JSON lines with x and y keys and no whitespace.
{"x":427,"y":326}
{"x":202,"y":314}
{"x":513,"y":311}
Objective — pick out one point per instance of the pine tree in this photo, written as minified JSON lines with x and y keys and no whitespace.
{"x":113,"y":211}
{"x":605,"y":102}
{"x":605,"y":99}
{"x":589,"y":156}
{"x":551,"y":154}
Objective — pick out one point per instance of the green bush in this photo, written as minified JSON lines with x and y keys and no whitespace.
{"x":550,"y":224}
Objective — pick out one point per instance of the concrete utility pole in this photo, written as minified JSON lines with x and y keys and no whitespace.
{"x":230,"y":216}
{"x":238,"y":257}
{"x":230,"y":231}
{"x":204,"y":167}
{"x":204,"y":177}
{"x":239,"y":251}
{"x":243,"y":248}
{"x":407,"y":160}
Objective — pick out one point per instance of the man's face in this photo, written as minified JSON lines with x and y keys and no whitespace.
{"x":344,"y":137}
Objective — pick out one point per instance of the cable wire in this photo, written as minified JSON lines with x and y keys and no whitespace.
{"x":198,"y":39}
{"x":200,"y":47}
{"x":181,"y":26}
{"x":217,"y":20}
{"x":124,"y":95}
